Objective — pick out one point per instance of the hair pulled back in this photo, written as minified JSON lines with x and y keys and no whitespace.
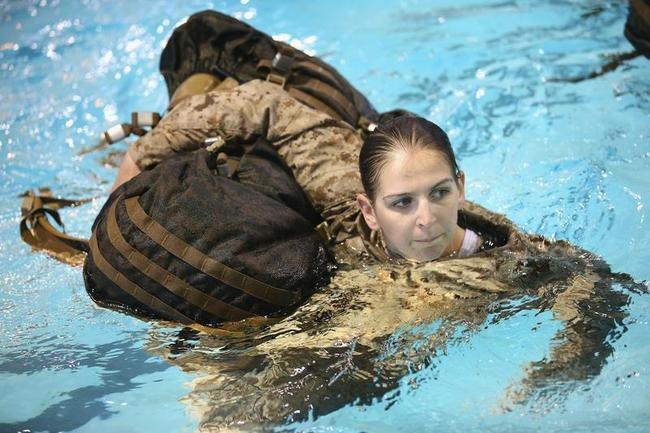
{"x":406,"y":132}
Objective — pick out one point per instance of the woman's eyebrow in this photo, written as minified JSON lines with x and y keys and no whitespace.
{"x":402,"y":194}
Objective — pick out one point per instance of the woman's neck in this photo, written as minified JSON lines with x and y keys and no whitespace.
{"x":455,"y":244}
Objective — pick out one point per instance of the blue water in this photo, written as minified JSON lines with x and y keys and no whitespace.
{"x":567,"y":160}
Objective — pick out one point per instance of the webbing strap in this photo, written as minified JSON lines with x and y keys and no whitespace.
{"x":204,"y":263}
{"x":330,"y":84}
{"x":324,"y":83}
{"x":168,"y":280}
{"x":36,"y":230}
{"x":313,"y":102}
{"x":132,"y":288}
{"x":333,"y":95}
{"x":317,"y":70}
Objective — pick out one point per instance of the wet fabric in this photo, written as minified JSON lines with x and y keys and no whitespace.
{"x":322,"y":153}
{"x":197,"y":239}
{"x":350,"y":343}
{"x":376,"y":325}
{"x":214,"y":43}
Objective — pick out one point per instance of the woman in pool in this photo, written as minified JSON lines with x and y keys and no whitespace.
{"x":414,"y":191}
{"x":412,"y":254}
{"x":399,"y":195}
{"x":411,"y":251}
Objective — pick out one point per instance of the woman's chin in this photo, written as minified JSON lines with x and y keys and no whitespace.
{"x":427,"y":254}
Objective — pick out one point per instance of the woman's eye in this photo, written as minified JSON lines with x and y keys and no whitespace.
{"x":438,"y":194}
{"x":402,"y":202}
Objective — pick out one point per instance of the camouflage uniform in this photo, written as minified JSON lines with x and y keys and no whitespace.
{"x":321,"y":151}
{"x":357,"y":340}
{"x":355,"y":317}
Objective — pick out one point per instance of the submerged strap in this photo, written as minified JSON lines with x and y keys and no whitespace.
{"x":163,"y":277}
{"x":204,"y":263}
{"x":37,"y":231}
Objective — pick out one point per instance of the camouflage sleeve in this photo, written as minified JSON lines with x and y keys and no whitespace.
{"x":321,"y":151}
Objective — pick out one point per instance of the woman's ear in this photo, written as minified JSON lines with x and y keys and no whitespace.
{"x":368,"y":211}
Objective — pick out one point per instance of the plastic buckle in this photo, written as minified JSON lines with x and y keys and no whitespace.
{"x":276,"y":79}
{"x":280,"y":66}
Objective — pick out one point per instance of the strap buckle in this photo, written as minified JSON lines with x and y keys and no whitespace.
{"x":276,"y":79}
{"x":280,"y":67}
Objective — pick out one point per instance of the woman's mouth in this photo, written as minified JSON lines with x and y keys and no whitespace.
{"x":427,"y":240}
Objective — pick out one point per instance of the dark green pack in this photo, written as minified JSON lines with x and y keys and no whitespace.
{"x":208,"y":237}
{"x":218,"y":44}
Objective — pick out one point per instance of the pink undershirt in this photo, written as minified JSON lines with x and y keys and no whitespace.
{"x":471,"y":244}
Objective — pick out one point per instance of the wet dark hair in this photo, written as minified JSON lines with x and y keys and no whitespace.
{"x":404,"y":132}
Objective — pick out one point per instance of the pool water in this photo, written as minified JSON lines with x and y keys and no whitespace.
{"x":562,"y":157}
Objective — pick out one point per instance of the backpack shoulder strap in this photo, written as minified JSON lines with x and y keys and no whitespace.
{"x":316,"y":87}
{"x":37,"y":231}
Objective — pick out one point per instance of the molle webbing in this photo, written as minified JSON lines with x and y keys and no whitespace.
{"x":206,"y":264}
{"x":186,"y":253}
{"x":166,"y":279}
{"x":132,"y":288}
{"x":328,"y":86}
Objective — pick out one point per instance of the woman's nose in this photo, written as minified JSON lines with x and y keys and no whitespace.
{"x":424,"y":216}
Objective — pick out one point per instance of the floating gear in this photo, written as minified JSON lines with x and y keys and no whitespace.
{"x":213,"y":43}
{"x":203,"y":239}
{"x":37,"y":231}
{"x":213,"y":50}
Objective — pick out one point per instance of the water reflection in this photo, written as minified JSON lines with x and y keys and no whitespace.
{"x":116,"y":366}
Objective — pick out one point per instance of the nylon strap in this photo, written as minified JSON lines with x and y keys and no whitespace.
{"x":37,"y":231}
{"x":313,"y":102}
{"x":168,"y":280}
{"x":317,"y":70}
{"x":325,"y":84}
{"x":132,"y":288}
{"x":329,"y":84}
{"x":334,"y":98}
{"x":204,"y":263}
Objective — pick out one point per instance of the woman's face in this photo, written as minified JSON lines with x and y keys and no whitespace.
{"x":417,"y":203}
